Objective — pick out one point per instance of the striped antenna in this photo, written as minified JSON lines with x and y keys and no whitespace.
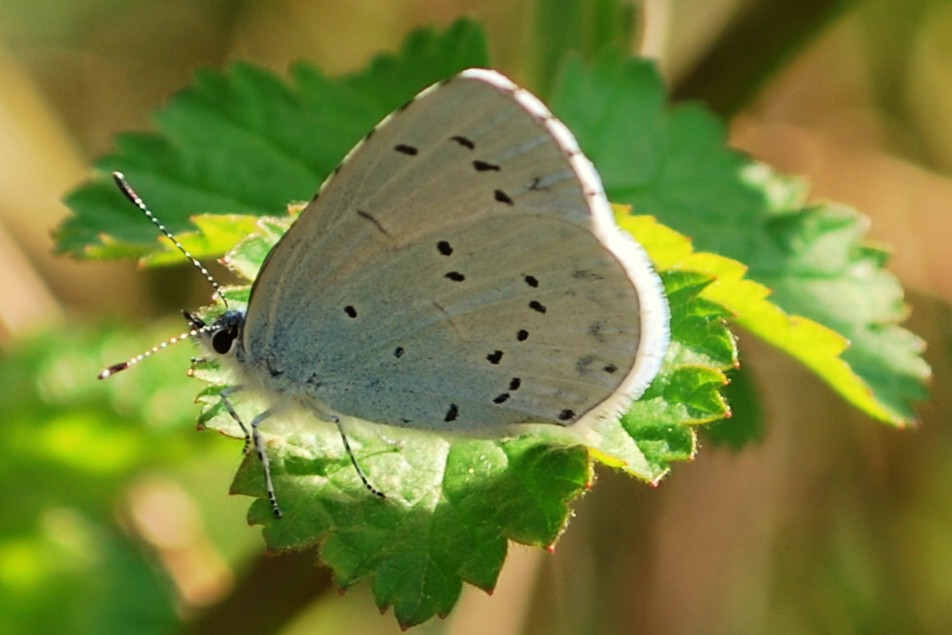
{"x":198,"y":326}
{"x":130,"y":194}
{"x":115,"y":368}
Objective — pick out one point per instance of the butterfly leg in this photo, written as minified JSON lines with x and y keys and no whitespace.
{"x":227,"y":392}
{"x":353,"y":460}
{"x":265,"y":463}
{"x":253,"y":438}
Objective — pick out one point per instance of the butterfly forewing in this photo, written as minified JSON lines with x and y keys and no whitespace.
{"x":454,"y":274}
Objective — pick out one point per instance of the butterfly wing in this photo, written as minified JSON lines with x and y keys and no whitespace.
{"x":460,"y":270}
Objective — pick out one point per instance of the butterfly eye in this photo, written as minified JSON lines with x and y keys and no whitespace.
{"x":223,"y":340}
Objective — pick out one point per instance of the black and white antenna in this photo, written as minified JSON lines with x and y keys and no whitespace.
{"x":198,"y":326}
{"x":130,"y":194}
{"x":115,"y":368}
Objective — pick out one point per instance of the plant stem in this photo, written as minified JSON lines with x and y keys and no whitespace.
{"x":268,"y":596}
{"x":755,"y":44}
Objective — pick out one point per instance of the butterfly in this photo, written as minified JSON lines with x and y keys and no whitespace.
{"x":460,"y":271}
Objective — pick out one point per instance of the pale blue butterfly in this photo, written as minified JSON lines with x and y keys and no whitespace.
{"x":460,"y":271}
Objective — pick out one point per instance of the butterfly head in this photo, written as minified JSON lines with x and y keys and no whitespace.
{"x":223,"y":335}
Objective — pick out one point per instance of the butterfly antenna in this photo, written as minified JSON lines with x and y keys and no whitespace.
{"x":130,"y":194}
{"x":198,"y":327}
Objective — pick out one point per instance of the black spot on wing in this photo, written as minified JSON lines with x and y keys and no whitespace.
{"x":502,"y":197}
{"x":444,"y":247}
{"x":451,"y":413}
{"x":463,"y":141}
{"x":408,"y":150}
{"x":485,"y":166}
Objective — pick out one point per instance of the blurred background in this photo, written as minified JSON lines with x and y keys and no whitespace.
{"x":113,"y":516}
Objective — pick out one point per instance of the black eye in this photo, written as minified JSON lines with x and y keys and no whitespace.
{"x":223,"y":339}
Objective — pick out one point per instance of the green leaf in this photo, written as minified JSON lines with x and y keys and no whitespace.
{"x":453,"y":502}
{"x":830,"y":275}
{"x":834,"y":306}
